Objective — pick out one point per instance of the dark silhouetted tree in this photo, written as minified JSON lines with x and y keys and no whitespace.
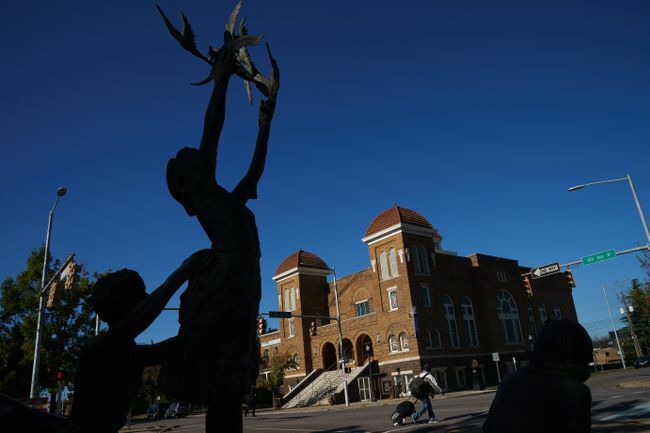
{"x":65,"y":328}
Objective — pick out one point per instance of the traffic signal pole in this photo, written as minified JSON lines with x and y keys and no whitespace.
{"x":580,"y":262}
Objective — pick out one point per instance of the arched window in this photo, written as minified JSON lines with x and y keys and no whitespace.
{"x":292,"y":298}
{"x":543,"y":316}
{"x":429,"y":338}
{"x":392,"y":259}
{"x":437,"y":341}
{"x":531,"y":320}
{"x":415,"y":258}
{"x":424,"y":263}
{"x":393,"y":344}
{"x":508,"y":317}
{"x":383,"y":264}
{"x":450,"y":315}
{"x":403,"y":341}
{"x":470,"y":322}
{"x":557,"y":313}
{"x":287,"y":301}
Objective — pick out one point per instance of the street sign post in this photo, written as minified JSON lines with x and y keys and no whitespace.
{"x":280,"y":314}
{"x":599,"y":257}
{"x":545,"y":270}
{"x":495,"y":358}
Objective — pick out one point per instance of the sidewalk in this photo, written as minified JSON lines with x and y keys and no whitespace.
{"x":382,"y":402}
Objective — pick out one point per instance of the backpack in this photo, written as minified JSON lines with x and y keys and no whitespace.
{"x":419,"y":388}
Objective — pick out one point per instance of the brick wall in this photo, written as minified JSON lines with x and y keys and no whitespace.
{"x":479,"y":278}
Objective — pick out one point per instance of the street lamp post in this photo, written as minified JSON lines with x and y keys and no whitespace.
{"x":618,"y":343}
{"x":636,"y":200}
{"x":96,"y":324}
{"x":341,"y":349}
{"x":41,"y":299}
{"x":372,"y":390}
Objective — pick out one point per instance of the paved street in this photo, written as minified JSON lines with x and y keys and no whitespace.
{"x":621,"y":403}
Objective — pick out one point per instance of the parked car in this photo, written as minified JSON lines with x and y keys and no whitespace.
{"x":177,"y":409}
{"x":157,"y":410}
{"x":642,"y":361}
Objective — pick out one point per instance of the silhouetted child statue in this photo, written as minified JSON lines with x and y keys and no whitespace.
{"x":215,"y":358}
{"x":549,"y":395}
{"x":109,"y":371}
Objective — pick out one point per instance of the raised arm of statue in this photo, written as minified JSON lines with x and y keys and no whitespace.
{"x":213,"y":122}
{"x":247,"y":187}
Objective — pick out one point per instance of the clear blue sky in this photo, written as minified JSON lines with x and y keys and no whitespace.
{"x":477,"y":114}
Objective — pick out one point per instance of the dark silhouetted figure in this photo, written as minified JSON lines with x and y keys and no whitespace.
{"x":548,"y":395}
{"x":250,"y":402}
{"x":109,"y":370}
{"x":215,"y":358}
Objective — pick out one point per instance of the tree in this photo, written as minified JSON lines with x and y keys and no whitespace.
{"x":638,"y":298}
{"x":275,"y":377}
{"x":65,"y":328}
{"x":644,"y":261}
{"x":149,"y":389}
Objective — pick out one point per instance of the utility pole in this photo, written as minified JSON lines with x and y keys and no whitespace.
{"x":611,"y":319}
{"x":341,"y":348}
{"x":637,"y":346}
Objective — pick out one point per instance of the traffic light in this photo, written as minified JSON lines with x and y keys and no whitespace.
{"x":72,"y":275}
{"x":528,"y":287}
{"x":313,"y":329}
{"x":569,"y":278}
{"x":261,"y":325}
{"x":54,"y":296}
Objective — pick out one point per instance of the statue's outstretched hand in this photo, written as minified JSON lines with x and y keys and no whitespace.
{"x":269,"y":88}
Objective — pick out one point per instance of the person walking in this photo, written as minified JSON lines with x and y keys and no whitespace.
{"x":427,"y":384}
{"x":250,"y":402}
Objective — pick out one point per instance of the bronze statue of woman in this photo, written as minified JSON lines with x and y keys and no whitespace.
{"x":215,"y":358}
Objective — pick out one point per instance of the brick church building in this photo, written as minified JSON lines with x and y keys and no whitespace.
{"x":415,"y":303}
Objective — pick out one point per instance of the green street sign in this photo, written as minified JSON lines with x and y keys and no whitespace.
{"x":598,"y":257}
{"x":280,"y":314}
